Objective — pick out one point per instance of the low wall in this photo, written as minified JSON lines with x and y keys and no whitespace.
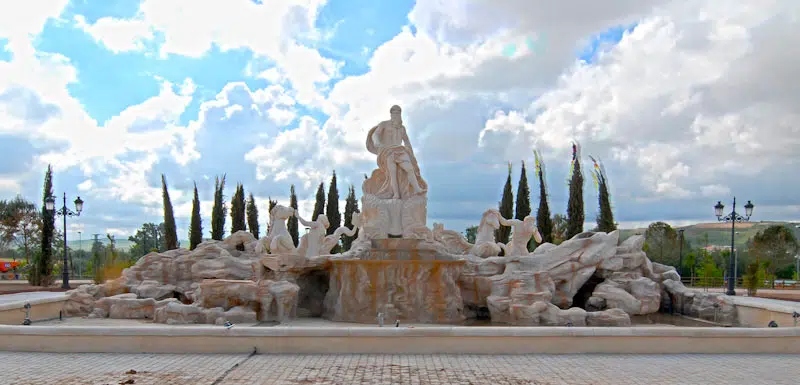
{"x":757,"y":312}
{"x":41,"y":309}
{"x":466,"y":340}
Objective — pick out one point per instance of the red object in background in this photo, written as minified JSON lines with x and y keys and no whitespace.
{"x":5,"y":266}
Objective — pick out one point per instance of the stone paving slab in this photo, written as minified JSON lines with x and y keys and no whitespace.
{"x":294,"y":369}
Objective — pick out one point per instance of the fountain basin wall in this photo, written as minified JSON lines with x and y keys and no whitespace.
{"x":411,"y":290}
{"x":390,"y":340}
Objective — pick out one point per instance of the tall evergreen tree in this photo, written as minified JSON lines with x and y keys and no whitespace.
{"x":196,"y":223}
{"x":43,"y":268}
{"x":332,"y":207}
{"x":506,"y":207}
{"x":252,"y":215}
{"x":291,"y":224}
{"x":170,"y":232}
{"x":238,"y":210}
{"x":271,"y":205}
{"x":319,"y":204}
{"x":332,"y":211}
{"x":523,"y":208}
{"x":350,"y":208}
{"x":219,"y":211}
{"x":605,"y":218}
{"x":543,"y":220}
{"x":575,"y":214}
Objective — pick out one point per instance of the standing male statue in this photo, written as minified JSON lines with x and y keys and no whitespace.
{"x":398,"y":174}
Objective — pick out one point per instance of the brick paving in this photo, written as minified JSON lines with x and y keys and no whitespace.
{"x":296,"y":369}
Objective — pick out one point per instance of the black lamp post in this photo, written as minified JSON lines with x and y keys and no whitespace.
{"x":733,"y":217}
{"x":65,"y":212}
{"x":680,"y":255}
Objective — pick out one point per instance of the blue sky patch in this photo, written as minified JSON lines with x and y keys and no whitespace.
{"x":603,"y":41}
{"x":5,"y":54}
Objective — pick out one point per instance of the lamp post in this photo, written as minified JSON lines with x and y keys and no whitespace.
{"x":733,"y":217}
{"x":680,"y":255}
{"x":65,"y":212}
{"x":797,"y":268}
{"x":80,"y":247}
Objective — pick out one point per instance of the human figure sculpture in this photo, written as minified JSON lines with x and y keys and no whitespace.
{"x":523,"y":231}
{"x":398,"y":174}
{"x":278,"y":239}
{"x":311,"y":242}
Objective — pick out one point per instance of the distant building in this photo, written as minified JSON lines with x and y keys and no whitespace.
{"x":713,"y":248}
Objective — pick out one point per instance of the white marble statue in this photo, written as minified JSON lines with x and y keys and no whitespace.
{"x":278,"y":239}
{"x":523,"y":231}
{"x":485,"y":243}
{"x":311,"y":242}
{"x":332,"y":240}
{"x":398,"y":174}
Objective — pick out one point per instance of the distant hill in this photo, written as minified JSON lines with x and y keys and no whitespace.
{"x":719,"y":234}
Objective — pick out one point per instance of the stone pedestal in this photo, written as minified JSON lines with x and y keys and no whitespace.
{"x":384,"y":218}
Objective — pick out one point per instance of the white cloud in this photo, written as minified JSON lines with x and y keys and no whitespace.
{"x":86,"y":185}
{"x":696,"y":102}
{"x":10,"y":186}
{"x":661,"y":100}
{"x":21,"y":21}
{"x":118,"y":35}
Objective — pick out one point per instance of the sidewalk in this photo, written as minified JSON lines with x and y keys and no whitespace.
{"x":226,"y":369}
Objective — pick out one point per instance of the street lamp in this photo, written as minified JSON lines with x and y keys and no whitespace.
{"x":733,"y":217}
{"x":65,"y":212}
{"x":680,"y":255}
{"x":797,"y":268}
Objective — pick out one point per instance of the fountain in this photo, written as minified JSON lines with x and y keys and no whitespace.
{"x":398,"y":269}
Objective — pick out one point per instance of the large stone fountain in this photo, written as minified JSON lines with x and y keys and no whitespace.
{"x":399,"y":269}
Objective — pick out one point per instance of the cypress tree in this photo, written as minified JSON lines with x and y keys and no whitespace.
{"x":332,"y":211}
{"x":291,"y":224}
{"x":605,"y":219}
{"x":506,"y":207}
{"x":196,"y":223}
{"x":219,"y":210}
{"x":332,"y":208}
{"x":319,"y":204}
{"x":252,"y":215}
{"x":170,"y":232}
{"x":350,"y":208}
{"x":237,"y":210}
{"x":523,"y":208}
{"x":575,"y":214}
{"x":43,"y":269}
{"x":543,"y":220}
{"x":271,"y":204}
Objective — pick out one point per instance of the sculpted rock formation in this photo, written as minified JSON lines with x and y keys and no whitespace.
{"x":398,"y":269}
{"x":211,"y":284}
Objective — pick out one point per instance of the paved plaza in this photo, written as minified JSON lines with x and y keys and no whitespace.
{"x":294,"y":369}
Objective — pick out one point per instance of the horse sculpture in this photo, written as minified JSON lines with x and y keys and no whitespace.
{"x":485,"y":243}
{"x":278,"y":240}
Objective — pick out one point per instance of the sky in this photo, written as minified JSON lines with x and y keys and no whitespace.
{"x":686,"y":102}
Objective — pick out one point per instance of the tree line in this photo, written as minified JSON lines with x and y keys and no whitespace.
{"x":244,"y":214}
{"x":764,"y":257}
{"x":553,"y":228}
